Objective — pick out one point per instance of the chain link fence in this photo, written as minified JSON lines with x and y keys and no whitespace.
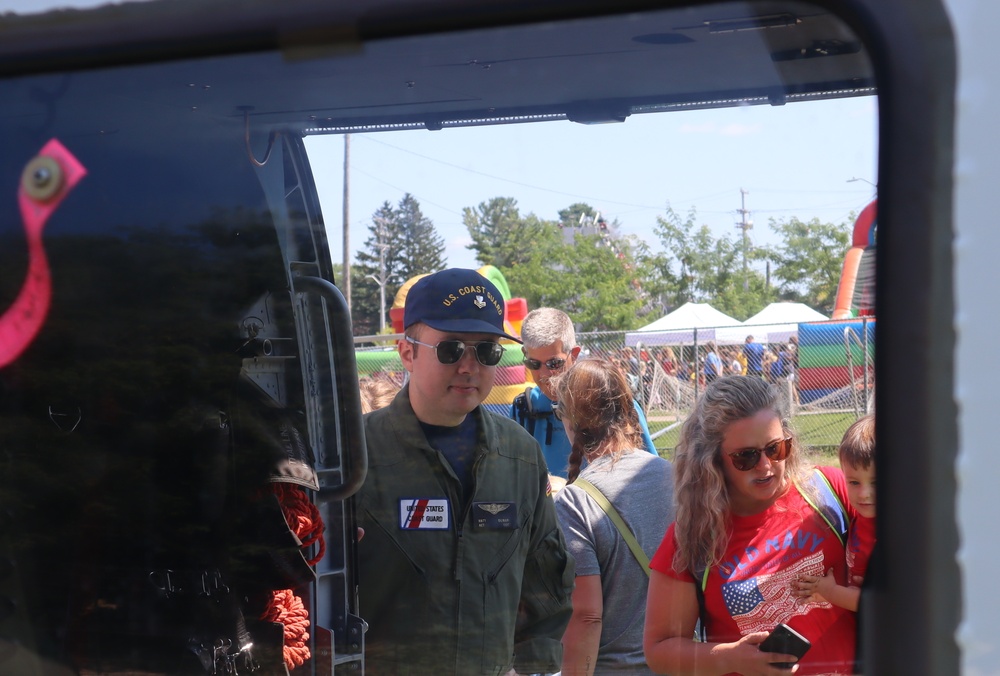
{"x":825,"y":371}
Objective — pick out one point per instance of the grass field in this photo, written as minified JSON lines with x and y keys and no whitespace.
{"x":819,"y":432}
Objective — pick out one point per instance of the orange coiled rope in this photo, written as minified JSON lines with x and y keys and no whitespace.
{"x":287,"y":608}
{"x":302,"y":516}
{"x":284,"y":606}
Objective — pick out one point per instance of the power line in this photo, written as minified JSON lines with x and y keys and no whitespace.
{"x":511,"y":181}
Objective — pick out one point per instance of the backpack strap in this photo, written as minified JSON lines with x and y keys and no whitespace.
{"x":528,"y":416}
{"x":609,"y":509}
{"x":827,"y":504}
{"x":700,"y":582}
{"x":522,"y":406}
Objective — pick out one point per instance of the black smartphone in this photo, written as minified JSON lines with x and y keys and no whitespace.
{"x":785,"y":640}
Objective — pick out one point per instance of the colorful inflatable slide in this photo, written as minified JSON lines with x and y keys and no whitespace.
{"x":510,"y":378}
{"x":856,"y":292}
{"x":826,"y":370}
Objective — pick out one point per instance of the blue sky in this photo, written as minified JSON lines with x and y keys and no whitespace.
{"x":795,"y":160}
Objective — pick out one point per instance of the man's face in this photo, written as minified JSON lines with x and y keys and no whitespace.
{"x":543,"y":376}
{"x":443,"y":394}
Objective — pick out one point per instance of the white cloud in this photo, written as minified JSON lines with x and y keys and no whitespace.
{"x":737,"y":129}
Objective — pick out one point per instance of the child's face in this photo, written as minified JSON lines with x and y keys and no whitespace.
{"x":861,"y":488}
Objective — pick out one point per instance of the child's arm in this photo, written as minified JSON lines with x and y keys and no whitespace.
{"x":826,"y":588}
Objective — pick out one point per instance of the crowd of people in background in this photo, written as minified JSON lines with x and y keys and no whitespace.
{"x":557,"y":538}
{"x":775,"y":363}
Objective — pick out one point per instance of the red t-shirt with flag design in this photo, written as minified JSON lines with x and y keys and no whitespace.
{"x":751,"y":589}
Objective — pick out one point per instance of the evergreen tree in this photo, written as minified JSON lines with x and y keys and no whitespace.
{"x":402,"y":243}
{"x":421,"y":247}
{"x":576,"y":215}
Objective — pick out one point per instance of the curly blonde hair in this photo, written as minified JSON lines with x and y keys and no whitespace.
{"x":595,"y":397}
{"x":376,"y":394}
{"x":700,"y":493}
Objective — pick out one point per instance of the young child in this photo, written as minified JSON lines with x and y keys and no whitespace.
{"x":857,"y":460}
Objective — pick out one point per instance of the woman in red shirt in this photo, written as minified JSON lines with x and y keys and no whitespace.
{"x":745,"y":525}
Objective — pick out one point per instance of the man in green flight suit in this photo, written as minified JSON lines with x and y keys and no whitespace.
{"x":463,"y":567}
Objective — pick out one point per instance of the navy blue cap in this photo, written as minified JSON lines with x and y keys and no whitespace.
{"x":456,"y":300}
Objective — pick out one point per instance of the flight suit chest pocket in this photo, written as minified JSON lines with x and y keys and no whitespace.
{"x":506,"y":529}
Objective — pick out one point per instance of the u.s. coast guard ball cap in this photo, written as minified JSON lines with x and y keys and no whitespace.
{"x":456,"y":300}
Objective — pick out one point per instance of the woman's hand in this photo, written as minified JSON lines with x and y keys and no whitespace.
{"x":745,"y":657}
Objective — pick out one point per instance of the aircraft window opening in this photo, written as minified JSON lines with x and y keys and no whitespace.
{"x":195,"y":351}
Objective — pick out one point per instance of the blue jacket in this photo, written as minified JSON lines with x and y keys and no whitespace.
{"x":754,"y":352}
{"x":538,"y":419}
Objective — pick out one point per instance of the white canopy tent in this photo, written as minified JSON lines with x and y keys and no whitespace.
{"x":779,"y":321}
{"x":683,"y":325}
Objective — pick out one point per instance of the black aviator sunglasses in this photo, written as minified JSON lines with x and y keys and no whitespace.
{"x":553,"y":364}
{"x":450,"y":351}
{"x":746,"y":459}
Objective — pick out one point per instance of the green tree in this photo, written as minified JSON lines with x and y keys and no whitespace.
{"x":537,"y":272}
{"x":500,"y":236}
{"x":809,"y":260}
{"x":586,"y":271}
{"x":696,"y":266}
{"x":596,"y":284}
{"x":601,"y":284}
{"x":402,"y":242}
{"x":422,"y":248}
{"x":576,"y":215}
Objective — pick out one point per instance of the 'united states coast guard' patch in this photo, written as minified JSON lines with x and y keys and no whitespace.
{"x":424,"y":513}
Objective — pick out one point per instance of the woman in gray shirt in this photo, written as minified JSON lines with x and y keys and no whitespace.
{"x":604,"y":635}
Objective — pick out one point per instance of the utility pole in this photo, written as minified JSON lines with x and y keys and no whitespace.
{"x":345,"y":283}
{"x":383,"y":274}
{"x":744,"y":225}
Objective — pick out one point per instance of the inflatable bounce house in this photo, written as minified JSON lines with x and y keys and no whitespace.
{"x":856,"y":291}
{"x":832,"y":354}
{"x":825,"y":369}
{"x":511,"y":377}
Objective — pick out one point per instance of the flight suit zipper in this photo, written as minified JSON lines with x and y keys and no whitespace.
{"x":460,"y":525}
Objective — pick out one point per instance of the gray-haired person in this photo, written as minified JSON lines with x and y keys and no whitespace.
{"x":549,"y":347}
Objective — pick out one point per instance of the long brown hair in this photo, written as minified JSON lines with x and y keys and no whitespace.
{"x":700,"y":491}
{"x":595,"y":398}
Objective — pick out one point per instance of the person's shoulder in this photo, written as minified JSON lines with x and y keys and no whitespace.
{"x":376,"y":421}
{"x":653,"y":467}
{"x":389,"y":430}
{"x":508,"y":435}
{"x":380,"y":419}
{"x":832,"y":474}
{"x":379,"y":415}
{"x":640,"y":456}
{"x":502,"y":424}
{"x":540,"y":403}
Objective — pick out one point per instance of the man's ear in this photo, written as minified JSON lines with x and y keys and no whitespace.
{"x":406,"y":349}
{"x":575,"y":352}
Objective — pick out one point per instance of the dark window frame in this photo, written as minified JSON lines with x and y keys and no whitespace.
{"x":914,"y":54}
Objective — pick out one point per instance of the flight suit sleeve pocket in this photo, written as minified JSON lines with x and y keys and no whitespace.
{"x":548,"y":578}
